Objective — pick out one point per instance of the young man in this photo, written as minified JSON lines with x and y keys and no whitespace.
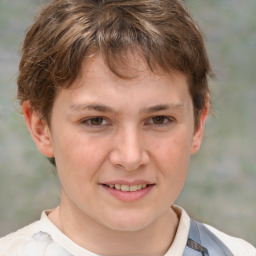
{"x":116,"y":94}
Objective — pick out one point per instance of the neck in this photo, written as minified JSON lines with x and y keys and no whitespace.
{"x":155,"y":239}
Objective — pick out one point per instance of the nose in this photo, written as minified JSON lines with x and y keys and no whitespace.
{"x":129,"y":151}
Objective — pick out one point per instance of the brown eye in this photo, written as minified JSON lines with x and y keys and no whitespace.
{"x":96,"y":121}
{"x":159,"y":119}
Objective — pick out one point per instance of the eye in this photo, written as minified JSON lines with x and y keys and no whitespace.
{"x":95,"y":121}
{"x":160,"y":120}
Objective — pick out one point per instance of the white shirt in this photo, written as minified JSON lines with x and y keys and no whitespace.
{"x":43,"y":238}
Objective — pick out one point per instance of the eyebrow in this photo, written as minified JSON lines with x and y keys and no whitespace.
{"x":95,"y":107}
{"x":162,"y":107}
{"x":107,"y":109}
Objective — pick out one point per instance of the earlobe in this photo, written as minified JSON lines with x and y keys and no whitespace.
{"x":198,"y":135}
{"x":39,"y":130}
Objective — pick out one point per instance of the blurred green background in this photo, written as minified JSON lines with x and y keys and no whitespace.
{"x":221,"y":186}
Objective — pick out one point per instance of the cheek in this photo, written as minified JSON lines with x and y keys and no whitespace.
{"x":78,"y":156}
{"x":79,"y":162}
{"x":172,"y":159}
{"x":174,"y":165}
{"x":174,"y":150}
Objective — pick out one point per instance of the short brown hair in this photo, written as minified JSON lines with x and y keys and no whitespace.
{"x":65,"y":31}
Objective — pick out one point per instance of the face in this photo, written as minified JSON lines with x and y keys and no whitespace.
{"x":122,"y":147}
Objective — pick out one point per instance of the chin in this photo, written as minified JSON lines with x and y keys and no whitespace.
{"x":128,"y":222}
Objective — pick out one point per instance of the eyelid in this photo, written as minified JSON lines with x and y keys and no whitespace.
{"x":169,"y":119}
{"x":86,"y":121}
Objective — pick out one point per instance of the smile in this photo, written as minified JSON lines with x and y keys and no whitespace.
{"x":127,"y":188}
{"x":128,"y":192}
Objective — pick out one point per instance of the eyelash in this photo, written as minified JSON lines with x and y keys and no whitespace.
{"x":166,"y":120}
{"x":88,"y":121}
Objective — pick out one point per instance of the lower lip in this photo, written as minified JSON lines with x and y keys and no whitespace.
{"x":128,"y":196}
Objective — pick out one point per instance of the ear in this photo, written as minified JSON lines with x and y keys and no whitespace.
{"x":198,"y":134}
{"x":39,"y":130}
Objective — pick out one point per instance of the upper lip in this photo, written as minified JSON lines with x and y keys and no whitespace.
{"x":129,"y":183}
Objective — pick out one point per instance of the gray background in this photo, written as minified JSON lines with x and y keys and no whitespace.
{"x":221,"y":186}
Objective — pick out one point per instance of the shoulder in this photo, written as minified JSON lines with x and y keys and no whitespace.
{"x":36,"y":237}
{"x":237,"y":246}
{"x":9,"y":244}
{"x":210,"y":241}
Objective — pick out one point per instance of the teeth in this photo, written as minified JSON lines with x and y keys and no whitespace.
{"x":117,"y":186}
{"x":127,"y":188}
{"x":140,"y":186}
{"x":133,"y":188}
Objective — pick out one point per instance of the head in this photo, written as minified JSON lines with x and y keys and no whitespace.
{"x":68,"y":32}
{"x":144,"y":64}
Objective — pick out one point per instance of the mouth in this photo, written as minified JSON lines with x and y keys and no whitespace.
{"x":127,"y":188}
{"x":128,"y":192}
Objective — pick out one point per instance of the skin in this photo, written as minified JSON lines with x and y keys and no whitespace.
{"x":106,"y":129}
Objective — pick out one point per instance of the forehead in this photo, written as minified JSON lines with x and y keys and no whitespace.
{"x":96,"y":83}
{"x":130,"y":68}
